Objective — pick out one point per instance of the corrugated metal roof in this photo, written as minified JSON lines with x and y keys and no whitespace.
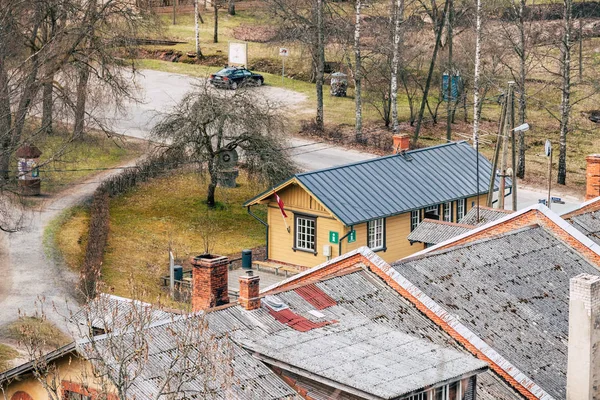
{"x":512,"y":291}
{"x":485,"y":215}
{"x":434,"y":232}
{"x":396,"y":184}
{"x":588,"y":223}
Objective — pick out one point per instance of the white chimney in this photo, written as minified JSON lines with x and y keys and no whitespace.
{"x":583,"y":368}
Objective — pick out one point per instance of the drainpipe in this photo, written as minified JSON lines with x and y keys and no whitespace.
{"x":342,"y":239}
{"x":266,"y":231}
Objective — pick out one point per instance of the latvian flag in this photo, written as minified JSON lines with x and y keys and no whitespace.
{"x":281,"y":205}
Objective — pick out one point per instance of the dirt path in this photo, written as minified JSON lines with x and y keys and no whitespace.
{"x":27,"y":274}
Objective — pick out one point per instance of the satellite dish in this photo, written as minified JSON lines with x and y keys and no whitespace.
{"x":228,"y":159}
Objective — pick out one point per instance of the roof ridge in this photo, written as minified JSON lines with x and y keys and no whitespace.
{"x":448,"y":223}
{"x":437,"y":146}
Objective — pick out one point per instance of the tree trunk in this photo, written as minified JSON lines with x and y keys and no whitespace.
{"x":398,"y":15}
{"x":5,"y":122}
{"x":82,"y":83}
{"x":476,"y":75}
{"x":320,"y":65}
{"x":565,"y":104}
{"x":212,"y":186}
{"x":47,"y":107}
{"x":216,"y":33}
{"x":522,"y":90}
{"x":174,"y":12}
{"x":450,"y":75}
{"x":197,"y":29}
{"x":438,"y":38}
{"x":358,"y":137}
{"x":231,"y":7}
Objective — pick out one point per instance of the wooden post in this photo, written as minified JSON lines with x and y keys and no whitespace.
{"x":507,"y":124}
{"x":549,"y":178}
{"x":490,"y":195}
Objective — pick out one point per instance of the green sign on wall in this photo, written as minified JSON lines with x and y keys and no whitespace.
{"x":352,"y":236}
{"x":334,"y":237}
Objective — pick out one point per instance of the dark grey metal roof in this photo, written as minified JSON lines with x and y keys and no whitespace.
{"x":588,"y":223}
{"x":381,"y":344}
{"x":512,"y":291}
{"x":434,"y":232}
{"x":485,"y":215}
{"x":396,"y":184}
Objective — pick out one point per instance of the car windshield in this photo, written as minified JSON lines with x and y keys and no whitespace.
{"x":225,"y":71}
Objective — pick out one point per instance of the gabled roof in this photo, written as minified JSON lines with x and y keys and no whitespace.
{"x":28,"y":367}
{"x":587,"y":219}
{"x":434,"y":232}
{"x":508,"y":284}
{"x":392,"y":185}
{"x":486,"y":215}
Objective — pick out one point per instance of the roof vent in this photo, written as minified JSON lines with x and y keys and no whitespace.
{"x":275,"y":303}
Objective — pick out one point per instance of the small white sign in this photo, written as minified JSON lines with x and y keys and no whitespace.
{"x":238,"y":53}
{"x":548,"y":148}
{"x":284,"y":52}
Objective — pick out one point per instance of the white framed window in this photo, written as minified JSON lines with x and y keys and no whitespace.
{"x":461,"y":209}
{"x":447,"y":212}
{"x":432,"y":209}
{"x":305,"y":233}
{"x":415,"y":218}
{"x":376,"y":234}
{"x":452,"y":391}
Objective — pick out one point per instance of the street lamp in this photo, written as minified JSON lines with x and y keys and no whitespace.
{"x":522,"y":128}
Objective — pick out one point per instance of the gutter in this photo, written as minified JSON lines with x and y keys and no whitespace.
{"x":342,"y":240}
{"x":266,"y":231}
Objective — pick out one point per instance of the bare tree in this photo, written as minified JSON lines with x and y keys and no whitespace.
{"x":398,"y":13}
{"x":565,"y":104}
{"x":358,"y":135}
{"x":208,"y":123}
{"x":476,"y":76}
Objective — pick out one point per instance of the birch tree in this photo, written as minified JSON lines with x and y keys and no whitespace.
{"x":565,"y":104}
{"x":476,"y":75}
{"x":320,"y":40}
{"x":358,"y":73}
{"x":398,"y":14}
{"x":197,"y":29}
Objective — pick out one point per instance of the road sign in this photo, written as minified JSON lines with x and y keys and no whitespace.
{"x":352,"y":237}
{"x":334,"y":237}
{"x":548,"y":148}
{"x":284,"y":52}
{"x":238,"y":53}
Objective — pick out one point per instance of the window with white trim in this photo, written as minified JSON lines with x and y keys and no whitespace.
{"x":452,"y":391}
{"x":461,"y":207}
{"x":447,"y":212}
{"x":375,"y":229}
{"x":305,"y":233}
{"x":415,"y":218}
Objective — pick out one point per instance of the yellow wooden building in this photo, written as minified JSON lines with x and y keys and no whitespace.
{"x":374,"y":203}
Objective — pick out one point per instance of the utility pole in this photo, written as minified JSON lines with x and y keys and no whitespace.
{"x":549,"y":154}
{"x":174,"y":12}
{"x":508,"y":125}
{"x":490,"y":195}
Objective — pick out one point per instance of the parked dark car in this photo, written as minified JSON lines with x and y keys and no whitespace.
{"x":235,"y":77}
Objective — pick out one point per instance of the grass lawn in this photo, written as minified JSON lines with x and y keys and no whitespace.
{"x":40,"y":330}
{"x":165,"y":211}
{"x":7,"y":354}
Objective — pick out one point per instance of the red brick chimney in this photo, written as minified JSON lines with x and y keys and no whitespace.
{"x":401,"y":142}
{"x":249,"y":291}
{"x":209,"y":281}
{"x":592,"y":176}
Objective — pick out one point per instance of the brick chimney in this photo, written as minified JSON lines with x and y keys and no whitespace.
{"x":401,"y":142}
{"x":592,"y":176}
{"x":249,"y":291}
{"x":209,"y":281}
{"x":583,"y":368}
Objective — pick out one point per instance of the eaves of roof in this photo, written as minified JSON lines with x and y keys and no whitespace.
{"x":29,"y":366}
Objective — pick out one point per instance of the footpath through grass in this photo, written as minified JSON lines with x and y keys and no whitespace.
{"x":167,"y":211}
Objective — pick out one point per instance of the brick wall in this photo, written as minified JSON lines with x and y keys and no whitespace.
{"x":209,"y":282}
{"x":592,"y":176}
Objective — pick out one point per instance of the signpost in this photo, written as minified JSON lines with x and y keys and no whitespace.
{"x":283,"y":53}
{"x":352,"y":236}
{"x":238,"y":53}
{"x":334,"y":237}
{"x":548,"y":149}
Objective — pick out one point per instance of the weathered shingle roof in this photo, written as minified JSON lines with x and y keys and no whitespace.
{"x":392,"y":185}
{"x":434,"y":232}
{"x":588,"y":223}
{"x":380,"y":343}
{"x":248,"y":379}
{"x":485,"y":215}
{"x":512,"y":291}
